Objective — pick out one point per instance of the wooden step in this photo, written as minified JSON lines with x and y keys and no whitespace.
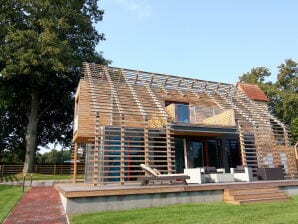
{"x":251,"y":190}
{"x":254,"y":195}
{"x":263,"y":200}
{"x":240,"y":197}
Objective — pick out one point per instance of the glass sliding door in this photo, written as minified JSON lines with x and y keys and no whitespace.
{"x":233,"y":153}
{"x":214,"y":152}
{"x":204,"y":153}
{"x":198,"y":154}
{"x":195,"y":154}
{"x":179,"y":155}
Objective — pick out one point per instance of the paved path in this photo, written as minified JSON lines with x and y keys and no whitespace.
{"x":38,"y":205}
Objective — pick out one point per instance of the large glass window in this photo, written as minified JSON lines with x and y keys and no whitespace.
{"x":233,"y":152}
{"x":179,"y":111}
{"x":179,"y":155}
{"x":198,"y":154}
{"x":204,"y":153}
{"x":182,"y":113}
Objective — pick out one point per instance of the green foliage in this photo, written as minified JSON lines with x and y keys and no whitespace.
{"x":9,"y":196}
{"x":211,"y":213}
{"x":11,"y":157}
{"x":283,"y":94}
{"x":256,"y":75}
{"x":42,"y":47}
{"x":53,"y":157}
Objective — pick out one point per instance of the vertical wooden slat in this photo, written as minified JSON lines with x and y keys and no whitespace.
{"x":75,"y":162}
{"x":122,"y":154}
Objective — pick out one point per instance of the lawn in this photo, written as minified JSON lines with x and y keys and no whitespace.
{"x":35,"y":176}
{"x":9,"y":196}
{"x":211,"y":213}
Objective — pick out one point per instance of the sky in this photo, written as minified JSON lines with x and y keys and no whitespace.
{"x":212,"y":40}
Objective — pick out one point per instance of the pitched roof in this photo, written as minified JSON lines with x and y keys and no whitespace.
{"x":252,"y":91}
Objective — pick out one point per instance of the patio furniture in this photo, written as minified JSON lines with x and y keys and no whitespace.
{"x":242,"y":174}
{"x":209,"y":169}
{"x":270,"y":173}
{"x":195,"y":174}
{"x":217,"y":175}
{"x":154,"y":175}
{"x":221,"y":177}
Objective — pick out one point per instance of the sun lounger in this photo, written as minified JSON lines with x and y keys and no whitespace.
{"x":154,"y":175}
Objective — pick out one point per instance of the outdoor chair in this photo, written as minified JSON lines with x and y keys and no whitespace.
{"x":242,"y":173}
{"x":210,"y":169}
{"x":154,"y":175}
{"x":196,"y":175}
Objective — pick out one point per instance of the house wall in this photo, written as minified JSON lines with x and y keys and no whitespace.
{"x":84,"y":117}
{"x":120,"y":98}
{"x":263,"y":104}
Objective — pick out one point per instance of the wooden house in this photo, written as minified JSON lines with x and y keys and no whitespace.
{"x":124,"y":118}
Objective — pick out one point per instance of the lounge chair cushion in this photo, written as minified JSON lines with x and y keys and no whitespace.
{"x":149,"y":170}
{"x":156,"y":171}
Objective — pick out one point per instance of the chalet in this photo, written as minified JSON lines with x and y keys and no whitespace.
{"x":124,"y":118}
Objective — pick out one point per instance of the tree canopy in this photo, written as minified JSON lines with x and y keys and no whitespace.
{"x":54,"y":157}
{"x":283,"y":93}
{"x":42,"y":47}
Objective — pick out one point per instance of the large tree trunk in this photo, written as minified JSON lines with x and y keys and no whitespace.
{"x":31,"y":133}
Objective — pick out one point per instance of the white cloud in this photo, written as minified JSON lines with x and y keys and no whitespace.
{"x":141,"y":8}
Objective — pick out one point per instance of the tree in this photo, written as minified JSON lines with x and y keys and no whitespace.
{"x":287,"y":84}
{"x":54,"y":157}
{"x":42,"y":47}
{"x":256,"y":75}
{"x":283,"y":94}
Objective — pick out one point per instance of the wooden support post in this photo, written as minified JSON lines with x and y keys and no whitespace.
{"x":122,"y":156}
{"x":96,"y":174}
{"x":146,"y":144}
{"x":55,"y":169}
{"x":75,"y":163}
{"x":169,"y":149}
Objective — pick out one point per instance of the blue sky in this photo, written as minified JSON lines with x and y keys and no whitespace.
{"x":211,"y":40}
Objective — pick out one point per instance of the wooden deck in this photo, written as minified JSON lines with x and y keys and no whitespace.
{"x":84,"y":190}
{"x":83,"y":198}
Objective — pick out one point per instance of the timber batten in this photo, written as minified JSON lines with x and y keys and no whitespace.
{"x":125,"y":117}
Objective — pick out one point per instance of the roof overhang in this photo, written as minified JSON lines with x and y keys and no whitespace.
{"x":202,"y":130}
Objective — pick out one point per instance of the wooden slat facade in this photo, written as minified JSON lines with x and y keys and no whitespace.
{"x":122,"y":120}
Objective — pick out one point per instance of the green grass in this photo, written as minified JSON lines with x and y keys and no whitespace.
{"x":9,"y":196}
{"x":35,"y":176}
{"x":211,"y":213}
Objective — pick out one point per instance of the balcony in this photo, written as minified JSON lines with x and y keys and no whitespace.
{"x":200,"y":115}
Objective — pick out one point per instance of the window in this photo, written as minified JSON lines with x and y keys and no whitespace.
{"x":179,"y":111}
{"x":182,"y":113}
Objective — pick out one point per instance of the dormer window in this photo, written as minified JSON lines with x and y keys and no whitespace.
{"x":182,"y":113}
{"x":179,"y":111}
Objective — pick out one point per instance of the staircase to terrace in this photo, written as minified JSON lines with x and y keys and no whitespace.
{"x":242,"y":196}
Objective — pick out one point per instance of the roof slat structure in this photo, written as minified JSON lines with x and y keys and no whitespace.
{"x":130,"y":110}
